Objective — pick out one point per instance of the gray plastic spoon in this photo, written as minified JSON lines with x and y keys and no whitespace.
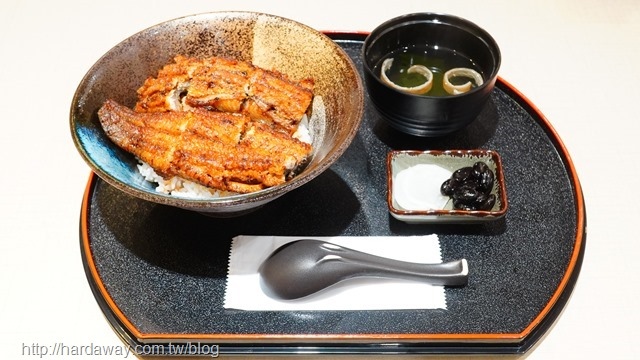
{"x":304,"y":267}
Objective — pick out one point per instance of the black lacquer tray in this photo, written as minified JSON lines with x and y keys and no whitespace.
{"x":158,"y":273}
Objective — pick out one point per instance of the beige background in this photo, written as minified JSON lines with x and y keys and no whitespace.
{"x":576,"y":60}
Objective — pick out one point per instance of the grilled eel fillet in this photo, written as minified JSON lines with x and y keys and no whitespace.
{"x":219,"y":150}
{"x":227,"y":85}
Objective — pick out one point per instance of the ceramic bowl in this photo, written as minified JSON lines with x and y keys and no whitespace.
{"x":265,"y":40}
{"x":446,"y":42}
{"x":447,"y":162}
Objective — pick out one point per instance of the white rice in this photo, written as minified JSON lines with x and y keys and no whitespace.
{"x":179,"y":187}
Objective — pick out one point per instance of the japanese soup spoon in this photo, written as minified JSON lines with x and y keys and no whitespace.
{"x":304,"y":267}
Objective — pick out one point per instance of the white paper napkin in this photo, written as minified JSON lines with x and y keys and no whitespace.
{"x":244,"y":292}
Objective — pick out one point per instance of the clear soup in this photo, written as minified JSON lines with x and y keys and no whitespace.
{"x":438,"y":60}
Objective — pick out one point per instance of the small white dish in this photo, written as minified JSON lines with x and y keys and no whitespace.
{"x":450,"y":161}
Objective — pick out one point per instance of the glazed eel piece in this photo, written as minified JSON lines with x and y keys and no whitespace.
{"x":224,"y":151}
{"x":228,"y":85}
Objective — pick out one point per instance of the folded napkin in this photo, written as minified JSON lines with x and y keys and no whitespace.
{"x":244,"y":292}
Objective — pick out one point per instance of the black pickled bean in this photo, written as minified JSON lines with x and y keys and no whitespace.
{"x":485,"y":202}
{"x":479,"y":168}
{"x":486,"y":180}
{"x":448,"y":186}
{"x":466,"y":194}
{"x":470,"y":187}
{"x":462,"y":174}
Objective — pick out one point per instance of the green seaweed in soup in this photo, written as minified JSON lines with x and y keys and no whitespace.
{"x":438,"y":60}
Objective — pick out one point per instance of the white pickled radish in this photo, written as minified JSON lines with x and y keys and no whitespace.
{"x":418,"y":187}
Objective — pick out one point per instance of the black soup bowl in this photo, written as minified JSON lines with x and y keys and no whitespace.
{"x":443,"y":42}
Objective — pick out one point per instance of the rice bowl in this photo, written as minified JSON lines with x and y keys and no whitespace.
{"x":268,"y":41}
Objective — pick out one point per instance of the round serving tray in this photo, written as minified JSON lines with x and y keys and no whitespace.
{"x":159,"y":273}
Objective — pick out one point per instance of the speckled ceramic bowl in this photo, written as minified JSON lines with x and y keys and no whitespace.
{"x":451,"y":160}
{"x":265,"y":40}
